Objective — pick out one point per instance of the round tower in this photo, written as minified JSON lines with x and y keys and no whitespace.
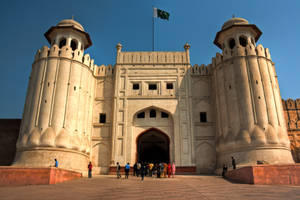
{"x":250,"y":120}
{"x":57,"y":112}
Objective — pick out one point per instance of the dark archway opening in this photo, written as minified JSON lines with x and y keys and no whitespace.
{"x":231,"y":43}
{"x":243,"y":41}
{"x":153,"y":146}
{"x":62,"y":43}
{"x":73,"y":45}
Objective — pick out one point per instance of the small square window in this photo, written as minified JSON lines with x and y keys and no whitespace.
{"x":136,"y":86}
{"x":141,"y":115}
{"x":203,"y":117}
{"x":152,"y":86}
{"x":169,"y":86}
{"x":152,"y":113}
{"x":102,"y":119}
{"x":164,"y":115}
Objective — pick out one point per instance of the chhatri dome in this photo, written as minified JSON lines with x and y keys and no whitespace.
{"x":234,"y":21}
{"x":242,"y":24}
{"x":71,"y":30}
{"x":70,"y":22}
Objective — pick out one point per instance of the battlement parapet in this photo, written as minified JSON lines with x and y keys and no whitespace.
{"x":103,"y":70}
{"x":201,"y":70}
{"x":240,"y":51}
{"x":65,"y":52}
{"x":291,"y":104}
{"x":149,"y":58}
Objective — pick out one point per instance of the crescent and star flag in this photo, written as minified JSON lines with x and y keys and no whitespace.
{"x":160,"y":14}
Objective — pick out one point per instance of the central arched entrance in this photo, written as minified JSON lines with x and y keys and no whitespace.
{"x":153,"y":146}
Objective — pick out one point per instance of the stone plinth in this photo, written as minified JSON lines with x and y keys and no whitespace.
{"x":44,"y":157}
{"x":267,"y":174}
{"x":113,"y":170}
{"x":13,"y":176}
{"x":186,"y":170}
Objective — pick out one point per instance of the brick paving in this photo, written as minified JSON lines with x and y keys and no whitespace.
{"x":181,"y":187}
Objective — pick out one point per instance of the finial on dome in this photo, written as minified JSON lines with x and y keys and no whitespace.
{"x":70,"y":22}
{"x":234,"y":21}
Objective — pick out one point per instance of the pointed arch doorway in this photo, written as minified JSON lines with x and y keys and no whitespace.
{"x":153,"y":146}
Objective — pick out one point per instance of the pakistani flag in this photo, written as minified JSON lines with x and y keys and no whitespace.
{"x":160,"y":13}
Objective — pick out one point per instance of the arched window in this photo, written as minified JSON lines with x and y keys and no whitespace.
{"x":243,"y":41}
{"x":231,"y":43}
{"x":164,"y":115}
{"x":203,"y":117}
{"x":141,"y":115}
{"x":152,"y":113}
{"x":74,"y":44}
{"x":62,"y":42}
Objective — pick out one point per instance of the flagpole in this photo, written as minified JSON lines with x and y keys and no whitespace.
{"x":153,"y":28}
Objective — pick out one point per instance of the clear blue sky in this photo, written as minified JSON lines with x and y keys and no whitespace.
{"x":108,"y":22}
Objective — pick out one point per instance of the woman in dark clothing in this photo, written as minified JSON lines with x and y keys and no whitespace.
{"x":143,"y":170}
{"x":224,"y":170}
{"x":158,"y":170}
{"x":135,"y":169}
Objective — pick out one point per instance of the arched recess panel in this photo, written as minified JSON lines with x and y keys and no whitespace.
{"x":205,"y":158}
{"x":101,"y":155}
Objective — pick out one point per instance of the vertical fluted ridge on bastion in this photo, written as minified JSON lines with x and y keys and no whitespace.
{"x":57,"y":108}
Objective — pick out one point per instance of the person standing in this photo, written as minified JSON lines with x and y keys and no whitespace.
{"x":138,"y":169}
{"x":169,"y":170}
{"x":154,"y":169}
{"x":147,"y":169}
{"x":150,"y":169}
{"x":233,"y":162}
{"x":161,"y":167}
{"x":158,"y":170}
{"x":143,"y":170}
{"x":165,"y":170}
{"x":118,"y":170}
{"x":90,"y":166}
{"x":55,"y":163}
{"x":134,"y":169}
{"x":173,"y":169}
{"x":224,"y":170}
{"x":127,"y":168}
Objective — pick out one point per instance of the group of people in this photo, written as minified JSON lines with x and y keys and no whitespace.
{"x":149,"y":169}
{"x":225,"y":166}
{"x":140,"y":169}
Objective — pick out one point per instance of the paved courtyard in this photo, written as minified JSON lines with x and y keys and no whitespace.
{"x":181,"y":187}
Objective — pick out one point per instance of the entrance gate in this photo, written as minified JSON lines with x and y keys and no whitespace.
{"x":153,"y":146}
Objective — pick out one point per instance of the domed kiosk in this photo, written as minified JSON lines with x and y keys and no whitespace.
{"x":69,"y":32}
{"x":235,"y":24}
